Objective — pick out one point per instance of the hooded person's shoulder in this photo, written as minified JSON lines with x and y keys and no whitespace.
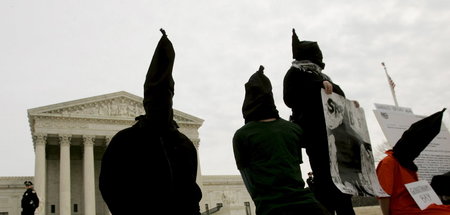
{"x":131,"y":139}
{"x":287,"y":125}
{"x":245,"y":127}
{"x":177,"y":139}
{"x":123,"y":134}
{"x":297,"y":74}
{"x":279,"y":123}
{"x":292,"y":73}
{"x":182,"y":138}
{"x":388,"y":162}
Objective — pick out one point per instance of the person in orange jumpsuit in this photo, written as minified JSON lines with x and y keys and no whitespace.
{"x":398,"y":169}
{"x":441,"y":184}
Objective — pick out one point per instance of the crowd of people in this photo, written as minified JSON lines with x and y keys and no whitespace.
{"x":267,"y":150}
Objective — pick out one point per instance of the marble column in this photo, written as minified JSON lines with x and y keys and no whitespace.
{"x":107,"y":141}
{"x":199,"y":180}
{"x":40,"y":170}
{"x":89,"y":175}
{"x":64,"y":175}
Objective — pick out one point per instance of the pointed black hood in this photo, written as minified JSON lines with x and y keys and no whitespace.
{"x":258,"y":102}
{"x":306,"y":50}
{"x":416,"y":139}
{"x":159,"y":84}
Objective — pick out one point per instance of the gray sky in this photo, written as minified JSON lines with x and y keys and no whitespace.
{"x":58,"y":51}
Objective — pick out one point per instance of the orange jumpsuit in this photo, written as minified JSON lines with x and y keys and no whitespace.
{"x":393,"y":177}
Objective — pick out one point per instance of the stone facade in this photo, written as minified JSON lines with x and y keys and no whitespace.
{"x":228,"y":190}
{"x":69,"y":141}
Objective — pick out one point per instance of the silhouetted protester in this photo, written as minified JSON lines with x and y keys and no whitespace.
{"x":398,"y":169}
{"x":30,"y":200}
{"x":302,"y":85}
{"x":268,"y":155}
{"x":151,"y":168}
{"x":310,"y":181}
{"x":441,"y":185}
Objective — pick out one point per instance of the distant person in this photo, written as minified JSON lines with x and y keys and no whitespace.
{"x":398,"y":169}
{"x":310,"y":181}
{"x":268,"y":155}
{"x":302,"y":93}
{"x":30,"y":200}
{"x":150,"y":167}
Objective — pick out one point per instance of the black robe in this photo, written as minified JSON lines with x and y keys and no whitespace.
{"x":302,"y":94}
{"x":145,"y":171}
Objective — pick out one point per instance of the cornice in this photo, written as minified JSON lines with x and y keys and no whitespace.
{"x":83,"y":101}
{"x":218,"y":180}
{"x":100,"y":120}
{"x":115,"y":106}
{"x":107,"y":114}
{"x":14,"y":182}
{"x":4,"y":178}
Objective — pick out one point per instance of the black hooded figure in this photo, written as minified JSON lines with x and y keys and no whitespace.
{"x":414,"y":140}
{"x":301,"y":92}
{"x":258,"y":101}
{"x":151,"y":168}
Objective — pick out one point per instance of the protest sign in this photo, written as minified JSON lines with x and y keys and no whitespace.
{"x":351,"y":160}
{"x":434,"y":159}
{"x":423,"y":194}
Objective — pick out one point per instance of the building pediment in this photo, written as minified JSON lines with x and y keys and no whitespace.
{"x":114,"y":106}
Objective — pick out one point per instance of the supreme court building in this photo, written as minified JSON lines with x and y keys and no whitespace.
{"x":69,"y":140}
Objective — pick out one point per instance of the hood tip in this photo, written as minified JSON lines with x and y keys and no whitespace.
{"x":163,"y":31}
{"x":261,"y":68}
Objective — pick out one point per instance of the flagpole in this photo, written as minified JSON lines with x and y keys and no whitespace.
{"x":391,"y":84}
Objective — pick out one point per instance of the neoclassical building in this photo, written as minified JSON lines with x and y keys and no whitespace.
{"x":70,"y":138}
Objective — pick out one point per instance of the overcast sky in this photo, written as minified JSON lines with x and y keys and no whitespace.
{"x":58,"y":51}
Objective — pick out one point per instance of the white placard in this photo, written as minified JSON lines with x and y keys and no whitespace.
{"x":435,"y":159}
{"x":352,"y":164}
{"x":391,"y":108}
{"x":423,"y":194}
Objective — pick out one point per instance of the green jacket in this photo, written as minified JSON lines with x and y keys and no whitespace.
{"x":268,"y":155}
